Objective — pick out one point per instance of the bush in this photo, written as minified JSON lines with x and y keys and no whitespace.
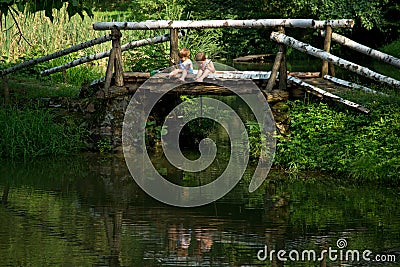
{"x":324,"y":137}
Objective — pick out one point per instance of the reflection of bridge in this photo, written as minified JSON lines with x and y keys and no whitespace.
{"x":116,"y":80}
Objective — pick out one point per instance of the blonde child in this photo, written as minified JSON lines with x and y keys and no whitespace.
{"x":185,"y":65}
{"x":205,"y":67}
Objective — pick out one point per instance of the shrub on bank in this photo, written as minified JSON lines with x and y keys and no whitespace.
{"x":327,"y":138}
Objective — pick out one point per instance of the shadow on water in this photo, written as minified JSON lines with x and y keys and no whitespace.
{"x":88,"y":211}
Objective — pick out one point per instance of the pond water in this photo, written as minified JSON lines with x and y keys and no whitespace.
{"x":87,"y":211}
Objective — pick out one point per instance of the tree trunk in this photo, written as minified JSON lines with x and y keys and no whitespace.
{"x":125,"y":47}
{"x":275,"y":68}
{"x":352,"y":85}
{"x":61,"y":53}
{"x":254,"y":23}
{"x":364,"y":49}
{"x":319,"y":53}
{"x":322,"y":93}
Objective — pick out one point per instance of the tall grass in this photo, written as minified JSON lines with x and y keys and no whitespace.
{"x":34,"y":132}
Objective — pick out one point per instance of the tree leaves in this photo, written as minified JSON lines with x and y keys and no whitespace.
{"x":48,"y":6}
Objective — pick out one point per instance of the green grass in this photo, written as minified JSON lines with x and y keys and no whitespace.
{"x":32,"y":88}
{"x":33,"y":132}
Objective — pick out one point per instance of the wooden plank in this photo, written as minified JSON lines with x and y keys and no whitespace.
{"x":322,"y":93}
{"x":305,"y":74}
{"x":255,"y":58}
{"x":253,"y":23}
{"x":128,"y":75}
{"x":319,"y":53}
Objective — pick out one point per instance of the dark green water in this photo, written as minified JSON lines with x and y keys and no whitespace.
{"x":88,"y":211}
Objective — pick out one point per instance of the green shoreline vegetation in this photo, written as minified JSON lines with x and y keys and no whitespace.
{"x":322,"y":136}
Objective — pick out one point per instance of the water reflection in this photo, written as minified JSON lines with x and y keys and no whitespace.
{"x":87,"y":211}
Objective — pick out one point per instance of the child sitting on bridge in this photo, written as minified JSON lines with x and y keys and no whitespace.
{"x":205,"y":67}
{"x":185,"y":65}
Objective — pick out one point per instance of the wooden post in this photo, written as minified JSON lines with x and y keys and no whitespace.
{"x":332,"y":69}
{"x":275,"y":68}
{"x":6,"y":90}
{"x":173,"y":55}
{"x":327,"y":48}
{"x":282,"y":68}
{"x":119,"y":79}
{"x":115,"y":61}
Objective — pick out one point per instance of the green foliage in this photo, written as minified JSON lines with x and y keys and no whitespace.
{"x":255,"y":140}
{"x":154,"y":133}
{"x":201,"y":127}
{"x":32,"y":132}
{"x":74,"y":7}
{"x":327,"y":138}
{"x":104,"y":146}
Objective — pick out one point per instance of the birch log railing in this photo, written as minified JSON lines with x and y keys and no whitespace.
{"x":115,"y":66}
{"x":363,"y":49}
{"x":319,"y":53}
{"x":279,"y":24}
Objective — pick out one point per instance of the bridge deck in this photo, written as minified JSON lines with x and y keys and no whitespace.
{"x":239,"y":80}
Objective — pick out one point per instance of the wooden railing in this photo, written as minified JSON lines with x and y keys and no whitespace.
{"x":174,"y":26}
{"x":115,"y":65}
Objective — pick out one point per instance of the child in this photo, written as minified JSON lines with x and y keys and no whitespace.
{"x":205,"y":67}
{"x":185,"y":65}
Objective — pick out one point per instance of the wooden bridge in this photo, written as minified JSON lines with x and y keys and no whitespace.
{"x":275,"y":84}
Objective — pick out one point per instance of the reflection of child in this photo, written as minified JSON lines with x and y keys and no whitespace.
{"x":185,"y":65}
{"x":205,"y":67}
